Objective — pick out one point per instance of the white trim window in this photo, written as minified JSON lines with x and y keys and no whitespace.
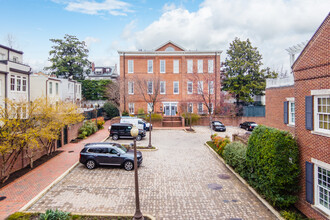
{"x":150,"y":89}
{"x":200,"y":108}
{"x":190,"y":66}
{"x":190,"y":107}
{"x":211,"y":107}
{"x":175,"y":66}
{"x":200,"y":87}
{"x":150,"y":66}
{"x":292,"y":112}
{"x":56,"y":88}
{"x":322,"y":113}
{"x":210,"y":66}
{"x":211,"y":87}
{"x":130,"y":66}
{"x":50,"y":88}
{"x":12,"y":82}
{"x":200,"y":66}
{"x":162,"y":87}
{"x":24,"y":84}
{"x":162,"y":66}
{"x":322,"y":185}
{"x":190,"y":87}
{"x":19,"y":83}
{"x":131,"y":88}
{"x":176,"y":87}
{"x":131,"y":108}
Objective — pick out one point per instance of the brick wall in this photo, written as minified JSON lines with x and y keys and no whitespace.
{"x":73,"y":131}
{"x":275,"y":98}
{"x":312,"y":72}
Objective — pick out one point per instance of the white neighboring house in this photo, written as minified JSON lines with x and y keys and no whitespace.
{"x":43,"y":85}
{"x":71,"y":91}
{"x":14,"y":76}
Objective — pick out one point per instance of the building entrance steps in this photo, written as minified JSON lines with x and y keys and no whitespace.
{"x":172,"y":121}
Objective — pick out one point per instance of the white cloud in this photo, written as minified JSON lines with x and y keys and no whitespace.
{"x":91,"y":40}
{"x":113,"y":7}
{"x":271,"y":25}
{"x":169,"y":7}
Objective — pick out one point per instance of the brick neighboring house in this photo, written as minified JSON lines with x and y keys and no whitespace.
{"x":300,"y":104}
{"x":178,"y":71}
{"x":312,"y":127}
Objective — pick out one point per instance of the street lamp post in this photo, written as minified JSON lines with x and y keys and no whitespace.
{"x":149,"y":145}
{"x":190,"y":108}
{"x":138,"y":213}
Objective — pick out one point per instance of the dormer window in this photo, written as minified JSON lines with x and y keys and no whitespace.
{"x":169,"y":48}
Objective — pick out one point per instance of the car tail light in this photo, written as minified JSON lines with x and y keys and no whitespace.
{"x":251,"y":127}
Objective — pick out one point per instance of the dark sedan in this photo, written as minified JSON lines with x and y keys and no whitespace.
{"x":248,"y":125}
{"x":218,"y":126}
{"x":95,"y":154}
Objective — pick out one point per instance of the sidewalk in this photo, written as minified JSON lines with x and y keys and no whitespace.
{"x":25,"y":188}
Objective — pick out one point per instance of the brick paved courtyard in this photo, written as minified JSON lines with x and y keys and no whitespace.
{"x":174,"y":184}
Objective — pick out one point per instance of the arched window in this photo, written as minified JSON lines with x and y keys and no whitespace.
{"x":169,"y":48}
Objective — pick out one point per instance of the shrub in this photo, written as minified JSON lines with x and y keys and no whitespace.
{"x":110,"y":110}
{"x":220,"y":143}
{"x":125,"y":113}
{"x":140,"y":111}
{"x":156,"y":117}
{"x":292,"y":215}
{"x":194,"y":118}
{"x":235,"y":155}
{"x":54,"y":215}
{"x":87,"y":129}
{"x":273,"y":165}
{"x":100,"y":123}
{"x":22,"y":216}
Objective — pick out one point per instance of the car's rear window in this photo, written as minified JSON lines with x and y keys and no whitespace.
{"x":120,"y":147}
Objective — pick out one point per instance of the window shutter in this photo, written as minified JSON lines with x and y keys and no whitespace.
{"x":286,"y":115}
{"x":309,"y":183}
{"x":309,"y":112}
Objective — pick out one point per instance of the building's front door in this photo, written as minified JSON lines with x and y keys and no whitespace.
{"x":170,"y":108}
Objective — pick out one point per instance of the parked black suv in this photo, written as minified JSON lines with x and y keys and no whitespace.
{"x":124,"y":130}
{"x":94,"y":154}
{"x":218,"y":126}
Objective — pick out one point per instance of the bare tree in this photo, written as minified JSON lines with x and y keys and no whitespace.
{"x":10,"y":40}
{"x":205,"y":90}
{"x":113,"y":94}
{"x":148,"y":87}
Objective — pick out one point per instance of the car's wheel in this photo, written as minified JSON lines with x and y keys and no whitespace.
{"x":90,"y":164}
{"x":240,"y":126}
{"x":138,"y":138}
{"x":128,"y":165}
{"x":115,"y":137}
{"x":247,"y":129}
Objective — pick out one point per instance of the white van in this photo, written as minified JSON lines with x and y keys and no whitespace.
{"x":138,"y":122}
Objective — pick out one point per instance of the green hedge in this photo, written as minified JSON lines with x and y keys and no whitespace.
{"x":272,"y":160}
{"x":194,"y":118}
{"x":87,"y":129}
{"x":110,"y":110}
{"x":235,"y":155}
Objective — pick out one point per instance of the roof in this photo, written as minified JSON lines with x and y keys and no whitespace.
{"x":170,"y":42}
{"x":11,"y":49}
{"x":310,"y":42}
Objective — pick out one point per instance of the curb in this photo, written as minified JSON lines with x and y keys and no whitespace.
{"x":43,"y":192}
{"x":262,"y":200}
{"x":101,"y":214}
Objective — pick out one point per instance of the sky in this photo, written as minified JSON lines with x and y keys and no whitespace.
{"x":111,"y":25}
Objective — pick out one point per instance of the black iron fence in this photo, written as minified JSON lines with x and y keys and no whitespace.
{"x":254,"y":111}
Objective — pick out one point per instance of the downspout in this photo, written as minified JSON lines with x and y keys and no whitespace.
{"x":6,"y":92}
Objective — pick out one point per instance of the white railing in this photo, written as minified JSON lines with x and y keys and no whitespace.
{"x":280,"y":82}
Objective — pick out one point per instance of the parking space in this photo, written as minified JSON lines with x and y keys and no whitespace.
{"x":183,"y":179}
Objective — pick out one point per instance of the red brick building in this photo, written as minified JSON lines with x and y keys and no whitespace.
{"x":180,"y":77}
{"x":303,"y":108}
{"x":312,"y":130}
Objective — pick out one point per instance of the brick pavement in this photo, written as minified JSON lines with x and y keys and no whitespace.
{"x":174,"y":184}
{"x":25,"y":188}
